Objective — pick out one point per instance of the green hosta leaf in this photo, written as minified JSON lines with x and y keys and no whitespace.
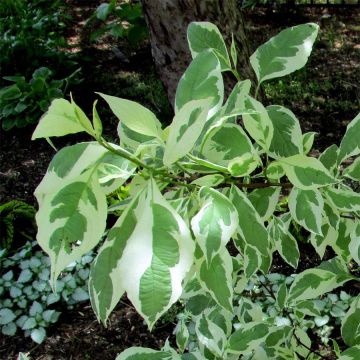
{"x":134,"y":116}
{"x":248,"y":337}
{"x":201,"y":80}
{"x":236,"y":100}
{"x":285,"y":243}
{"x":139,"y":353}
{"x":210,"y":334}
{"x":258,"y":125}
{"x":315,"y":282}
{"x":352,"y":353}
{"x":185,"y":129}
{"x":251,"y":227}
{"x":147,"y":254}
{"x":306,"y":172}
{"x":62,"y":118}
{"x":287,"y":137}
{"x":71,"y":218}
{"x":284,"y":53}
{"x":209,"y":180}
{"x":306,"y":207}
{"x":215,"y":223}
{"x":6,"y":316}
{"x":344,"y":200}
{"x":216,"y":277}
{"x":329,"y":158}
{"x":205,"y":35}
{"x":243,"y":165}
{"x":354,"y":246}
{"x":308,"y":141}
{"x":225,"y":143}
{"x":350,"y":325}
{"x":353,"y":171}
{"x":265,"y":200}
{"x":350,"y":144}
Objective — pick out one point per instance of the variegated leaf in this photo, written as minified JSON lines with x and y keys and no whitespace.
{"x":209,"y":180}
{"x":243,"y":165}
{"x":205,"y":35}
{"x":328,"y":238}
{"x":308,"y":141}
{"x":315,"y":282}
{"x":247,"y":311}
{"x":248,"y":337}
{"x":265,"y":200}
{"x":224,"y":143}
{"x":215,"y":223}
{"x":285,"y":243}
{"x":147,"y":254}
{"x":306,"y":207}
{"x":182,"y":335}
{"x":63,"y":117}
{"x":216,"y":278}
{"x":350,"y":144}
{"x":350,"y":325}
{"x":343,"y":200}
{"x":342,"y":244}
{"x":352,"y":353}
{"x":71,"y":218}
{"x":131,"y":139}
{"x":201,"y":80}
{"x":275,"y":171}
{"x":354,"y":246}
{"x":258,"y":125}
{"x":140,"y":353}
{"x":353,"y":171}
{"x":185,"y":129}
{"x":284,"y":53}
{"x":287,"y":137}
{"x":329,"y":158}
{"x":306,"y":172}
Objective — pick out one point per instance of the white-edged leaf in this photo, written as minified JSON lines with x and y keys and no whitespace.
{"x":258,"y":125}
{"x":353,"y":171}
{"x":284,"y":53}
{"x":265,"y":200}
{"x":243,"y":165}
{"x":308,"y":141}
{"x":342,"y":199}
{"x":306,"y":172}
{"x":205,"y":35}
{"x":209,"y":180}
{"x":236,"y":100}
{"x":354,"y":246}
{"x":201,"y":80}
{"x":306,"y":207}
{"x":328,"y":238}
{"x":215,"y":223}
{"x":185,"y":129}
{"x":329,"y":158}
{"x":350,"y":144}
{"x":140,"y":353}
{"x":147,"y":254}
{"x":182,"y":335}
{"x":287,"y":136}
{"x":350,"y":325}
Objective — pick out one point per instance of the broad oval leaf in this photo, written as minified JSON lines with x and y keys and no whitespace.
{"x":306,"y":172}
{"x":147,"y":254}
{"x":350,"y":144}
{"x":201,"y":80}
{"x":306,"y":207}
{"x":185,"y":129}
{"x":284,"y":53}
{"x":243,"y":165}
{"x":205,"y":35}
{"x":287,"y":137}
{"x":224,"y":143}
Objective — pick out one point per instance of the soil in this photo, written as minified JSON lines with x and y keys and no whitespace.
{"x":335,"y":61}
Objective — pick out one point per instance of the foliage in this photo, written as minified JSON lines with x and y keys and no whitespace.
{"x":15,"y":215}
{"x":27,"y":301}
{"x":234,"y":176}
{"x":32,"y":35}
{"x":23,"y":102}
{"x":121,"y":20}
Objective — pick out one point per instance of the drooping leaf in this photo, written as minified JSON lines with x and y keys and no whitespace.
{"x":215,"y":223}
{"x":306,"y":207}
{"x":306,"y":172}
{"x":284,"y":53}
{"x":205,"y":35}
{"x":201,"y":80}
{"x":287,"y":137}
{"x":185,"y":129}
{"x":147,"y":254}
{"x":350,"y":144}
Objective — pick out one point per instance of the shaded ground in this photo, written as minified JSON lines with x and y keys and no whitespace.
{"x":325,"y":97}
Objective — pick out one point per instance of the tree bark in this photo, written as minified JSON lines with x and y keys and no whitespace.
{"x":168,"y":21}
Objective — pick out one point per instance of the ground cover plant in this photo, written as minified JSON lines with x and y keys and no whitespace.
{"x":203,"y":186}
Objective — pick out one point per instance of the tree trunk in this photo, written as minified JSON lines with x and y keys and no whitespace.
{"x":168,"y":21}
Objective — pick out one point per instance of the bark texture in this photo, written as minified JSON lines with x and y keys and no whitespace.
{"x":168,"y":20}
